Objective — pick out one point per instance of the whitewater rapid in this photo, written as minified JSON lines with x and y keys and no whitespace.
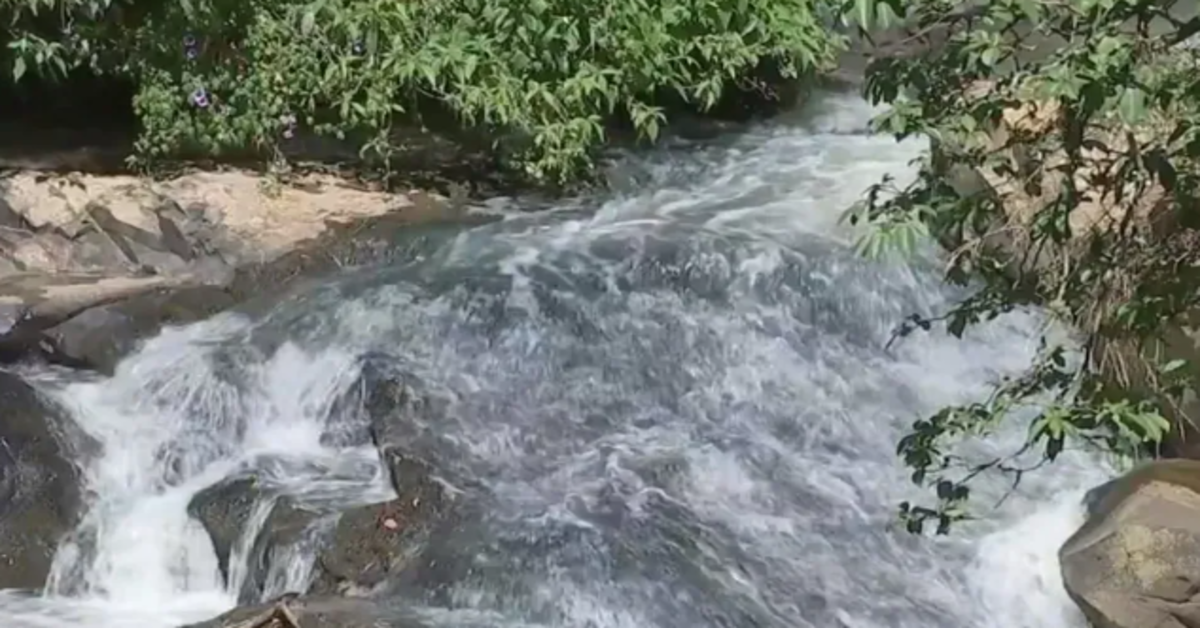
{"x":699,"y":349}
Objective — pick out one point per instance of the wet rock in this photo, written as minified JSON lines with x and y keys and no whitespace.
{"x":358,"y":551}
{"x":1136,"y":560}
{"x":318,"y":612}
{"x":373,"y":544}
{"x":290,"y":529}
{"x":39,"y":485}
{"x":81,"y":244}
{"x":101,"y":336}
{"x":404,"y":420}
{"x":225,"y":510}
{"x":32,"y":303}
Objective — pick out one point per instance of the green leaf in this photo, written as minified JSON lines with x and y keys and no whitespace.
{"x":308,"y":21}
{"x":1132,"y":106}
{"x":18,"y":69}
{"x":864,"y":13}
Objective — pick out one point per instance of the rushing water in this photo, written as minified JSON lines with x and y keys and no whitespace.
{"x":678,"y":395}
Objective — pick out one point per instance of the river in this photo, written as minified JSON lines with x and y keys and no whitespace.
{"x":697,"y":354}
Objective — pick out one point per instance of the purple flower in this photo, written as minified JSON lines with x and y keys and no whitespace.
{"x":200,"y":98}
{"x":289,"y":125}
{"x":191,"y":47}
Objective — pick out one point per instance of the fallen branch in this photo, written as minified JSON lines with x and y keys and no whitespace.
{"x":267,"y":619}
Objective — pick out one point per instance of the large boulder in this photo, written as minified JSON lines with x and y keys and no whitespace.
{"x":1135,"y":563}
{"x":373,"y":544}
{"x":39,"y":485}
{"x":101,"y":336}
{"x":91,"y":264}
{"x":357,"y":552}
{"x":365,"y":548}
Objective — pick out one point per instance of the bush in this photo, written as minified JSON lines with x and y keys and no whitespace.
{"x":1083,"y":118}
{"x":541,"y":79}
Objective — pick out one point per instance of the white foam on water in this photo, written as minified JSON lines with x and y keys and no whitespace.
{"x":199,"y":402}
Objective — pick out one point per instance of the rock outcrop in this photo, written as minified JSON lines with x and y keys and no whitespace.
{"x":39,"y":485}
{"x":1135,"y":563}
{"x":362,"y":552}
{"x":356,"y":553}
{"x":375,"y":543}
{"x":91,"y":264}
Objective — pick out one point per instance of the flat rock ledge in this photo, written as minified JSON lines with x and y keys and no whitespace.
{"x":89,"y":263}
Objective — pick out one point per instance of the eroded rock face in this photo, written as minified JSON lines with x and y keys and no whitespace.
{"x":1135,"y":563}
{"x":78,"y":245}
{"x":39,"y":485}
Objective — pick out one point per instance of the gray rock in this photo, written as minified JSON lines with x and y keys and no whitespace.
{"x":101,"y":336}
{"x":318,"y":612}
{"x":362,"y":552}
{"x":10,"y":219}
{"x":225,"y":510}
{"x":374,"y":544}
{"x":39,"y":485}
{"x":32,"y":303}
{"x":289,"y":527}
{"x":1135,"y":562}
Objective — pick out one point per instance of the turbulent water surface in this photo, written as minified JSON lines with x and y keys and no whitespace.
{"x":678,"y":395}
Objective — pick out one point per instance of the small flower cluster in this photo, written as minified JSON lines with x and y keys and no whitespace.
{"x":288,"y":122}
{"x":191,"y":47}
{"x":200,"y":97}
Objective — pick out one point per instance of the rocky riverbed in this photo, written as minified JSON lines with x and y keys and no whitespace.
{"x":91,"y":265}
{"x":669,"y":406}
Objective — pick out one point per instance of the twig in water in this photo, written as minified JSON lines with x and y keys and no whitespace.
{"x":267,"y":619}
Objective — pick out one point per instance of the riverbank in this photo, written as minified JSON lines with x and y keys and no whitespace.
{"x":90,"y":264}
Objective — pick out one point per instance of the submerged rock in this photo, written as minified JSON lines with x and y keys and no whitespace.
{"x":1135,"y":562}
{"x":39,"y":485}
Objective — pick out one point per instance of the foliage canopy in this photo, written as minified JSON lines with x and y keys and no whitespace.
{"x":542,"y":78}
{"x":1080,"y":123}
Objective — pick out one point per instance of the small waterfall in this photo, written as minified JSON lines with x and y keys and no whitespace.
{"x":678,"y":394}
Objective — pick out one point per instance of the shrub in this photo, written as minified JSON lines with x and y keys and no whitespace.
{"x":1083,"y":119}
{"x":540,"y":78}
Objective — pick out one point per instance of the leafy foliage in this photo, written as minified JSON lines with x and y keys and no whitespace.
{"x":541,"y":78}
{"x":1076,"y":124}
